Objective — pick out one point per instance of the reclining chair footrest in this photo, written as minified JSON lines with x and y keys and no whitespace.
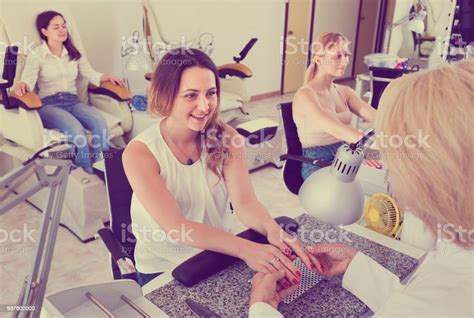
{"x":258,"y":130}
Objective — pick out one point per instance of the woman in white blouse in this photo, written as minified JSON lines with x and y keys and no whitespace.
{"x":434,"y":178}
{"x":53,"y":69}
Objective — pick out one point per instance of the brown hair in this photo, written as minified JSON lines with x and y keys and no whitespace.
{"x":165,"y":87}
{"x":434,"y":180}
{"x":42,"y":22}
{"x":324,"y":41}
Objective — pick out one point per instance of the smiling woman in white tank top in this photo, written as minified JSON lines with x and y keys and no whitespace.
{"x":322,"y":110}
{"x":184,"y":172}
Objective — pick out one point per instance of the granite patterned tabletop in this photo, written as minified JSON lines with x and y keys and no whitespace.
{"x":227,"y":292}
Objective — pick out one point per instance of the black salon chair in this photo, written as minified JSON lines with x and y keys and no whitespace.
{"x":119,"y":238}
{"x":294,"y":156}
{"x":380,"y":77}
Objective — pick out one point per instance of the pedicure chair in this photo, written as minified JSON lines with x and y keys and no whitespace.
{"x":22,"y":132}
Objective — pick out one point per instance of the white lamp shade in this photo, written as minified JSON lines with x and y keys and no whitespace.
{"x":330,"y":199}
{"x":416,"y":26}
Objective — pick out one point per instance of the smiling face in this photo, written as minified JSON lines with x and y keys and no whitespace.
{"x":56,"y":30}
{"x":196,"y":101}
{"x":334,"y":59}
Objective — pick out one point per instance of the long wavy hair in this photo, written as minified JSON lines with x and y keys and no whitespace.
{"x":164,"y":89}
{"x":42,"y":22}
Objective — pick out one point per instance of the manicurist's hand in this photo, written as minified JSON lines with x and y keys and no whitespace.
{"x":334,"y":258}
{"x":265,"y":288}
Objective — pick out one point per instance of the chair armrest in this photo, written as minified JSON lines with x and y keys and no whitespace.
{"x":29,"y":101}
{"x":123,"y":261}
{"x":314,"y":162}
{"x":114,"y":247}
{"x":110,"y":89}
{"x":234,"y":69}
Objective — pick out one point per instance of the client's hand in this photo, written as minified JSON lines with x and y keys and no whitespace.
{"x":265,"y":258}
{"x":291,"y":245}
{"x":334,"y":258}
{"x":21,"y":89}
{"x":265,"y":289}
{"x":112,"y":78}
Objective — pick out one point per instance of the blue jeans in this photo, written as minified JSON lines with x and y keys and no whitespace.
{"x":146,"y":278}
{"x":64,"y":112}
{"x":326,"y":153}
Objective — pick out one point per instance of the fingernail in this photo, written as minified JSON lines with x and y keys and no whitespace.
{"x":294,"y":281}
{"x":298,"y":273}
{"x":287,"y":251}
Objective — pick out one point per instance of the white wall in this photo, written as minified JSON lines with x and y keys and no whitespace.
{"x":337,"y":16}
{"x":102,"y":24}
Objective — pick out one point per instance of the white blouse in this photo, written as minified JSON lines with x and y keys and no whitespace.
{"x":52,"y":74}
{"x":200,"y":198}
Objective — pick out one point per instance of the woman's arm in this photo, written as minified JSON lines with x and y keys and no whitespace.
{"x":242,"y":195}
{"x":143,"y":173}
{"x":364,"y":277}
{"x":370,"y":282}
{"x":86,"y":70}
{"x":308,"y":106}
{"x":358,"y":106}
{"x":247,"y":207}
{"x":29,"y":76}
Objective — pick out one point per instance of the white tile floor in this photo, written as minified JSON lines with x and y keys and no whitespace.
{"x":75,"y":263}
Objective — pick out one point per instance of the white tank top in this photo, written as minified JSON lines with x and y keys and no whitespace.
{"x":199,"y":198}
{"x":311,"y":135}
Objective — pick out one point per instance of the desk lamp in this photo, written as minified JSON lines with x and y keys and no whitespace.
{"x":332,"y":194}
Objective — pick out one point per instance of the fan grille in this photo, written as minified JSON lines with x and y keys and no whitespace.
{"x":382,"y":214}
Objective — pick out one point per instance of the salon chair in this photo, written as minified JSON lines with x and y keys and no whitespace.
{"x":380,"y":77}
{"x":294,"y":156}
{"x":22,"y":131}
{"x":118,"y":237}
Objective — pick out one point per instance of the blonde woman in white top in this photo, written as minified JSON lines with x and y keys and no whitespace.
{"x":322,"y":110}
{"x":186,"y":169}
{"x":53,"y":69}
{"x":434,"y":179}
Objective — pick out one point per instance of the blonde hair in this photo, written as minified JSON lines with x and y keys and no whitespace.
{"x":325,"y":40}
{"x":433,"y":180}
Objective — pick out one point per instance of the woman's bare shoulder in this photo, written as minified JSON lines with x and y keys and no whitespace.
{"x":304,"y":97}
{"x":137,"y":154}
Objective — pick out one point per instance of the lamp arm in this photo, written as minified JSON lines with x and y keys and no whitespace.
{"x":403,"y":20}
{"x":34,"y":288}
